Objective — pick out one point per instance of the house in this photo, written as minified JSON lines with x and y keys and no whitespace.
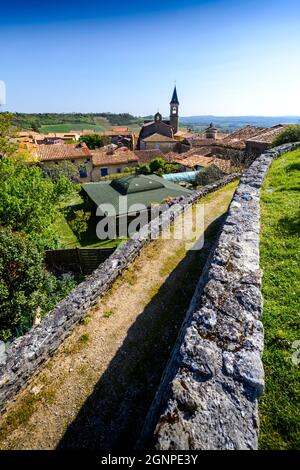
{"x":110,"y":160}
{"x":256,"y":145}
{"x":158,"y":141}
{"x":198,"y":162}
{"x":78,"y":154}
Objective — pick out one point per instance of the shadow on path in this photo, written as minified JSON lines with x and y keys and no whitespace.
{"x":113,"y":416}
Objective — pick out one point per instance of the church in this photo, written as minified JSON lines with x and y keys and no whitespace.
{"x":159,"y":133}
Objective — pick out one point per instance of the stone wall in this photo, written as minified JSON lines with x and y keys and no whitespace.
{"x":25,"y":355}
{"x":208,"y":394}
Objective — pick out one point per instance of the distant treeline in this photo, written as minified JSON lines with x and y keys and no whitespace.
{"x":35,"y":121}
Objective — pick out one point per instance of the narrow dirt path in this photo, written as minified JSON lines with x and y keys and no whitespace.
{"x":96,"y":390}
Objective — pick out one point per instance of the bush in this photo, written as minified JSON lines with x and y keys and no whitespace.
{"x":289,"y":134}
{"x":209,"y":175}
{"x":156,"y":165}
{"x":143,"y":170}
{"x":79,"y":224}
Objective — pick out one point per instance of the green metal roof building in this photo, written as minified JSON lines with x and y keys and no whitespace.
{"x":122,"y":193}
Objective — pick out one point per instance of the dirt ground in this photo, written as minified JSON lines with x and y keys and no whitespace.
{"x":96,"y":390}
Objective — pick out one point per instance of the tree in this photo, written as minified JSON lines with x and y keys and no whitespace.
{"x":209,"y":175}
{"x":289,"y":134}
{"x":79,"y":224}
{"x":64,"y":168}
{"x":7,"y":132}
{"x":157,"y":165}
{"x":94,"y":141}
{"x":143,"y":170}
{"x":25,"y":285}
{"x":22,"y":282}
{"x":28,"y":201}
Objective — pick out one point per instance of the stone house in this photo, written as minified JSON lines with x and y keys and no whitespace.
{"x":107,"y":161}
{"x":159,"y":142}
{"x":78,"y":154}
{"x":256,"y":145}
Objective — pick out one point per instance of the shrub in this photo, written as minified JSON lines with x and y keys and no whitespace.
{"x":79,"y":224}
{"x":209,"y":175}
{"x":289,"y":134}
{"x":143,"y":170}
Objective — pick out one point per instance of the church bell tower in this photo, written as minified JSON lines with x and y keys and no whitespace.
{"x":174,"y":106}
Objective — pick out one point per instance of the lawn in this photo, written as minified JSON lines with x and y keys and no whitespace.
{"x":67,"y":237}
{"x":280,"y":261}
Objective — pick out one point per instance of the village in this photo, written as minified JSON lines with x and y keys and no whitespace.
{"x":81,"y":208}
{"x":158,"y":138}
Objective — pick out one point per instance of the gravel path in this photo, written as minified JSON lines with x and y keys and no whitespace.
{"x":96,"y":390}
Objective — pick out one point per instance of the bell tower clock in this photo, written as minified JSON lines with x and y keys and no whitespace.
{"x":174,"y":106}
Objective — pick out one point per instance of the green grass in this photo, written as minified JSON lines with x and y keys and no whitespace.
{"x":67,"y":237}
{"x":280,"y":261}
{"x":108,"y":313}
{"x":74,"y":127}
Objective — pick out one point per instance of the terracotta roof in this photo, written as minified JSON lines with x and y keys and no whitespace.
{"x":158,"y":138}
{"x":244,"y":134}
{"x":145,"y":156}
{"x":53,"y":152}
{"x":200,"y":160}
{"x":120,"y":156}
{"x":120,"y":129}
{"x":269,"y":135}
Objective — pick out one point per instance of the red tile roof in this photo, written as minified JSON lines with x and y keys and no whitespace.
{"x":53,"y":152}
{"x":205,"y":161}
{"x":268,"y":135}
{"x":120,"y":156}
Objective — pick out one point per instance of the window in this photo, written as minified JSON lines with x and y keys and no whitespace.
{"x":119,"y":170}
{"x":103,"y":171}
{"x":82,"y":172}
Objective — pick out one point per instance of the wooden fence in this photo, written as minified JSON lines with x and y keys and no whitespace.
{"x":85,"y":260}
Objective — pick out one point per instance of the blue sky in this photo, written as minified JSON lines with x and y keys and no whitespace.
{"x":227,"y":57}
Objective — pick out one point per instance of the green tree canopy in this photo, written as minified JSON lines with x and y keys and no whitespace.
{"x":7,"y":132}
{"x":28,"y":200}
{"x":64,"y":168}
{"x":209,"y":175}
{"x":94,"y":141}
{"x":289,"y":134}
{"x":22,"y":282}
{"x":25,"y":285}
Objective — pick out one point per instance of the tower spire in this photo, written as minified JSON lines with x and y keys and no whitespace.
{"x":174,"y":99}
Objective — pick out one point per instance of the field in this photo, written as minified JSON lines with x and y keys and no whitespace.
{"x":67,"y":127}
{"x":66,"y":122}
{"x":280,"y":261}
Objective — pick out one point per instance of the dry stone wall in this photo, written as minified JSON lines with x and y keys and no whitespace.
{"x":23,"y":358}
{"x":208,"y":395}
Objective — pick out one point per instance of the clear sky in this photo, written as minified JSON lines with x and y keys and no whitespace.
{"x":228,"y":57}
